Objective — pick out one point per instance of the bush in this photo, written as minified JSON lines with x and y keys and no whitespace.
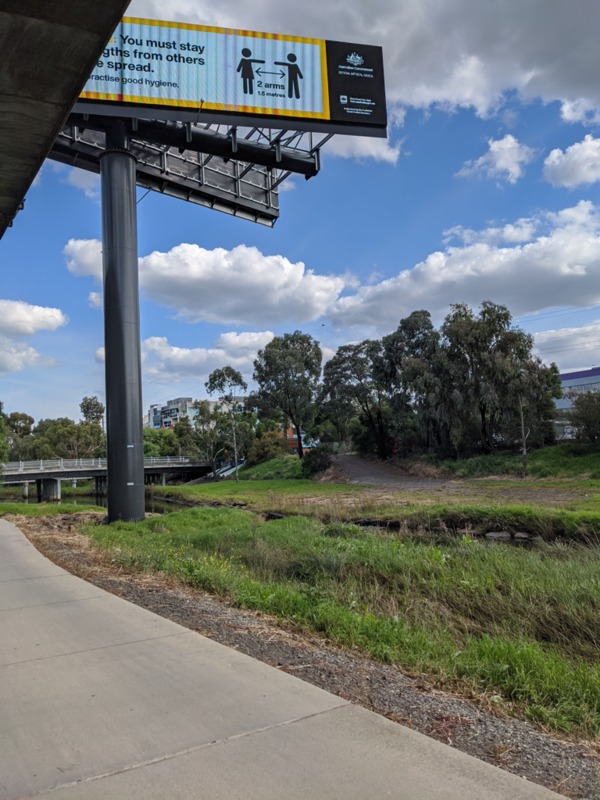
{"x":316,"y":460}
{"x":265,"y":447}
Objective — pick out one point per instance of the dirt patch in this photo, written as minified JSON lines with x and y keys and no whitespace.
{"x":570,"y":768}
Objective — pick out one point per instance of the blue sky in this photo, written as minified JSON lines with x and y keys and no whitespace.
{"x":488,"y":188}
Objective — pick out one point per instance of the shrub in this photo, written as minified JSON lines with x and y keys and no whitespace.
{"x":316,"y":460}
{"x":264,"y":448}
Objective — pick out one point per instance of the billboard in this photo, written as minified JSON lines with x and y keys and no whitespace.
{"x":197,"y":72}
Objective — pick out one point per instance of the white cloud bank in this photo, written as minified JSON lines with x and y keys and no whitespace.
{"x":557,"y":265}
{"x":167,"y":363}
{"x":504,"y":160}
{"x":578,"y":165}
{"x":540,"y":262}
{"x":240,"y":286}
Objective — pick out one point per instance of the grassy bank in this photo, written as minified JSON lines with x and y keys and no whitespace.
{"x":521,"y":626}
{"x":569,"y":460}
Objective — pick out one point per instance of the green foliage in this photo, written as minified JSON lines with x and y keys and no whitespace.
{"x":44,"y":509}
{"x":287,"y":372}
{"x":92,"y":409}
{"x":523,"y":624}
{"x":563,"y":460}
{"x":317,"y":460}
{"x":283,"y":467}
{"x":356,"y":387}
{"x":228,"y":383}
{"x":266,"y":447}
{"x":160,"y":442}
{"x":63,"y":438}
{"x":585,"y":417}
{"x":3,"y":441}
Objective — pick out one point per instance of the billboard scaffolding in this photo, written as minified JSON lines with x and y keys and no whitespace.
{"x":226,"y":168}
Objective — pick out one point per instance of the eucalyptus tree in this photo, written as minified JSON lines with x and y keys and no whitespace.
{"x":287,"y":372}
{"x":229,"y":384}
{"x":356,"y":377}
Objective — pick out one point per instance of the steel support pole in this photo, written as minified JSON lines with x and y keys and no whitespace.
{"x":125,"y":449}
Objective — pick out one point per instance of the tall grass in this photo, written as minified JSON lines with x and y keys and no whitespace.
{"x":569,"y":460}
{"x":524,"y":624}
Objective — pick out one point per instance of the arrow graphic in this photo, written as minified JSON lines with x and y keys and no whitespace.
{"x":260,"y":71}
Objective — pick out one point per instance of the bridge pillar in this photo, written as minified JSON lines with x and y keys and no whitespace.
{"x":125,"y":448}
{"x":25,"y":493}
{"x":38,"y":489}
{"x":51,"y":489}
{"x":100,"y":485}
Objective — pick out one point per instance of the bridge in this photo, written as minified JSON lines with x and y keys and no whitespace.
{"x":48,"y":474}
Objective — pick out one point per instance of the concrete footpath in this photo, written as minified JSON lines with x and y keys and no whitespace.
{"x":101,"y":699}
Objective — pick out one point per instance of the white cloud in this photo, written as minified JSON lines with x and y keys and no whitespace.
{"x":88,"y":182}
{"x":164,"y":362}
{"x":363,"y":147}
{"x":84,"y":257}
{"x":451,"y":53}
{"x":577,"y":165}
{"x":95,"y":300}
{"x":16,"y":356}
{"x":240,"y":286}
{"x":570,"y":348}
{"x":18,"y":318}
{"x":504,"y":160}
{"x":581,"y":110}
{"x":522,"y":230}
{"x":558,"y":267}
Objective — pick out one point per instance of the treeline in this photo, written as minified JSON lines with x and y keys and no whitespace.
{"x":471,"y":386}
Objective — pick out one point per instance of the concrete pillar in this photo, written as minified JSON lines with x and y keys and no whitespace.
{"x":51,"y":489}
{"x":25,"y":493}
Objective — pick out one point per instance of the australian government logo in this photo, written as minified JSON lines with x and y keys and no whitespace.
{"x":354,"y":67}
{"x":355,"y":60}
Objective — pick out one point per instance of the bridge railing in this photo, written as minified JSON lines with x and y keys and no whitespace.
{"x":55,"y":464}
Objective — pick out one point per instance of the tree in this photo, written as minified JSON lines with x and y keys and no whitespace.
{"x":486,"y":359}
{"x":228,"y":383}
{"x":63,"y":438}
{"x":92,"y":410}
{"x":3,"y":440}
{"x":186,"y":442}
{"x":19,"y":428}
{"x":585,"y":417}
{"x":160,"y":442}
{"x":413,"y":360}
{"x":212,"y":434}
{"x":355,"y":377}
{"x":287,"y":372}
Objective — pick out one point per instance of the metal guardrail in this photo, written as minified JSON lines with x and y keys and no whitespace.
{"x":55,"y":464}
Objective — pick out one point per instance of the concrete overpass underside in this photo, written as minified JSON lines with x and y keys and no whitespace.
{"x":48,"y":51}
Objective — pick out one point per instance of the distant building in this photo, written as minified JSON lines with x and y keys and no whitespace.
{"x":574,"y":383}
{"x":168,"y":415}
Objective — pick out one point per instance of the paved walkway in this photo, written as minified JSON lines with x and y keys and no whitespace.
{"x":101,"y":699}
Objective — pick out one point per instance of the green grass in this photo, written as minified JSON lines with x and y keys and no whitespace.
{"x":280,"y":468}
{"x":44,"y":509}
{"x":569,"y":460}
{"x":522,"y":624}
